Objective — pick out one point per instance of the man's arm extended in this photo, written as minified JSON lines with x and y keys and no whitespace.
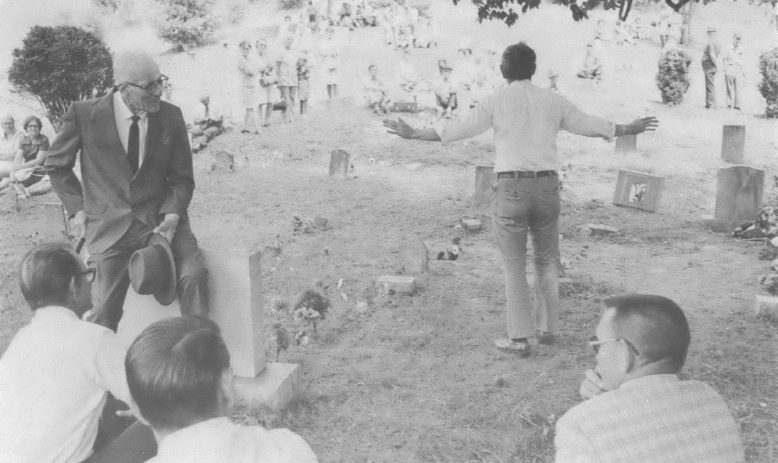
{"x":637,"y":126}
{"x":402,"y":129}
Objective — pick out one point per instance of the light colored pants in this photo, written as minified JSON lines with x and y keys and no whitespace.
{"x":733,"y":90}
{"x":522,"y":206}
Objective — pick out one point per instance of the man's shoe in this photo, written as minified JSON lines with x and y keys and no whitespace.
{"x":521,"y":348}
{"x":546,"y":338}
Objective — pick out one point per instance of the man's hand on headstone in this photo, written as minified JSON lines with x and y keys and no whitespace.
{"x":592,"y":385}
{"x":77,"y":225}
{"x":168,"y":226}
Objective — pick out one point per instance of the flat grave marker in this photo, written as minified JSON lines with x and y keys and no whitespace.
{"x":639,"y":190}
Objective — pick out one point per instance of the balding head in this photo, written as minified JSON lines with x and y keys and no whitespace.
{"x":134,"y":66}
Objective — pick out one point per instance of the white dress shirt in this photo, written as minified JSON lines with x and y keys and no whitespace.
{"x":53,"y":382}
{"x":123,"y":117}
{"x":219,"y":440}
{"x":526,"y":120}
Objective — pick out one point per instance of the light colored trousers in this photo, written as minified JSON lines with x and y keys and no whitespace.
{"x":523,"y":206}
{"x":733,"y":90}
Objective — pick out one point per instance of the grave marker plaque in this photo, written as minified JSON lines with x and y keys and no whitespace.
{"x":639,"y":190}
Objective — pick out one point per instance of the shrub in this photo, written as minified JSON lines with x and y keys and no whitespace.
{"x":768,"y":66}
{"x":60,"y":65}
{"x":292,"y":4}
{"x":233,"y":11}
{"x":673,"y":76}
{"x":186,"y":23}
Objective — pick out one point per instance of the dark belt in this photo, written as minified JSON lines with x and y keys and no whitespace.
{"x":526,"y":174}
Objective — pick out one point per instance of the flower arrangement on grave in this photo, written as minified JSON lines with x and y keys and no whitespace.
{"x":303,"y":318}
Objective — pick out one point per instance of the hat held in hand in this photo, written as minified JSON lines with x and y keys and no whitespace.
{"x":153,"y":270}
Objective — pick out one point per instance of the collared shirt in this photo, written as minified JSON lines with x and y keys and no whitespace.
{"x":219,"y":440}
{"x":53,"y":382}
{"x":526,"y":120}
{"x":650,"y":419}
{"x":9,"y":145}
{"x":123,"y":117}
{"x":733,"y":61}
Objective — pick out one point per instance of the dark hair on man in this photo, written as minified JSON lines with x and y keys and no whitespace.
{"x":655,"y":325}
{"x":45,"y":273}
{"x":174,"y":371}
{"x":519,"y":62}
{"x":372,"y":66}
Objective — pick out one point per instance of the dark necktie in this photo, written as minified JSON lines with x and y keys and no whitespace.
{"x":132,"y":145}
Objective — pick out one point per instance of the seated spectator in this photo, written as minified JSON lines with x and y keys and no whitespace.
{"x":601,"y":32}
{"x":407,"y":77}
{"x":635,"y":407}
{"x":622,"y":35}
{"x":345,"y":17}
{"x":638,"y":31}
{"x":9,"y":148}
{"x":445,"y":90}
{"x":423,"y":34}
{"x":29,"y":176}
{"x":56,"y":375}
{"x":592,"y":67}
{"x":404,"y":39}
{"x":312,"y":13}
{"x":178,"y":370}
{"x":376,"y":92}
{"x":365,"y":16}
{"x":553,"y":81}
{"x":205,"y":127}
{"x":480,"y":89}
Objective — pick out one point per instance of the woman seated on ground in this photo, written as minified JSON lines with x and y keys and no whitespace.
{"x":376,"y":92}
{"x":28,"y":175}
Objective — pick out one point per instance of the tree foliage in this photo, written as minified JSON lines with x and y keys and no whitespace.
{"x":508,"y":11}
{"x":60,"y":65}
{"x":768,"y":66}
{"x":186,"y":23}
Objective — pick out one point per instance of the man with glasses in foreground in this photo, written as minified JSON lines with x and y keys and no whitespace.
{"x":57,"y":371}
{"x":136,"y":179}
{"x":636,"y":409}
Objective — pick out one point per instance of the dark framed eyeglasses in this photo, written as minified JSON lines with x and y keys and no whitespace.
{"x":595,"y":342}
{"x":89,"y":274}
{"x":153,"y":86}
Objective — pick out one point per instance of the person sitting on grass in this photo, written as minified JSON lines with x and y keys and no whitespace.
{"x":445,"y":90}
{"x":29,"y":176}
{"x":376,"y":92}
{"x":407,"y":77}
{"x":205,"y":127}
{"x":58,"y":371}
{"x":178,"y":371}
{"x":592,"y":67}
{"x":635,"y":407}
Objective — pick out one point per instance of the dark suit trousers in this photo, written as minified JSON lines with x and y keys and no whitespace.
{"x":113,"y":277}
{"x":710,"y":89}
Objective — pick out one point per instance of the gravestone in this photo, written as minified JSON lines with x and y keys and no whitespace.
{"x":484,"y":181}
{"x":639,"y":190}
{"x":739,"y":192}
{"x":415,"y":255}
{"x":397,"y":284}
{"x":733,"y":143}
{"x":626,"y":144}
{"x":339,"y":163}
{"x":405,"y":106}
{"x":235,"y":300}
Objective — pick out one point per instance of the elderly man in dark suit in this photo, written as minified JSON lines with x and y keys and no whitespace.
{"x":136,"y":179}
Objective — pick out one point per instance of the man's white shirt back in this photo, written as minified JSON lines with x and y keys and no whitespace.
{"x":53,"y":382}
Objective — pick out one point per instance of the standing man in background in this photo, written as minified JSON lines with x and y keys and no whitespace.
{"x":733,"y":72}
{"x":710,"y":64}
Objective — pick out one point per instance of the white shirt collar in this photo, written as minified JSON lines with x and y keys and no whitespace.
{"x":55,"y":310}
{"x":122,"y":109}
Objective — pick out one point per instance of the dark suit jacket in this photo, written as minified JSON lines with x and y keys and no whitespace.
{"x":108,"y":193}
